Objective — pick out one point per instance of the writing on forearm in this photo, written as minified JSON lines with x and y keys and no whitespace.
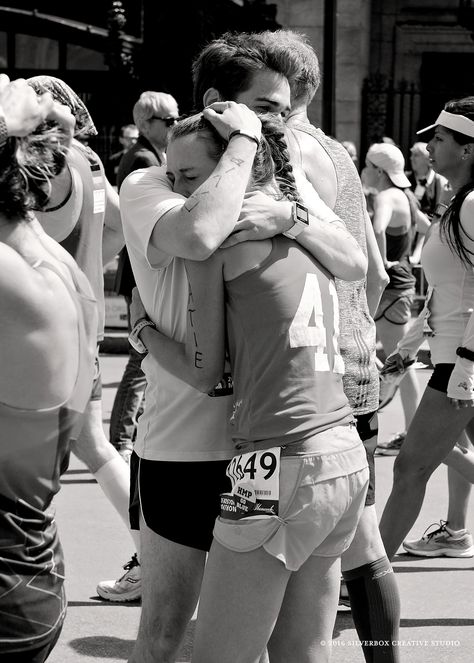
{"x":197,"y":353}
{"x":194,"y":200}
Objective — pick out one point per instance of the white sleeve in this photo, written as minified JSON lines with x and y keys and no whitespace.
{"x":145,"y":197}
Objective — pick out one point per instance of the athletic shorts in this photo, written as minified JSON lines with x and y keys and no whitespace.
{"x":368,"y":428}
{"x":395,"y":306}
{"x":37,"y":654}
{"x":96,"y":393}
{"x":322,"y":496}
{"x":178,"y":501}
{"x":440,"y":377}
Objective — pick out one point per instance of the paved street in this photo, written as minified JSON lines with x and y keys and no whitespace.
{"x":437,"y":595}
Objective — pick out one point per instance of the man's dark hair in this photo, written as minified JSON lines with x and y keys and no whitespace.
{"x":228,"y":65}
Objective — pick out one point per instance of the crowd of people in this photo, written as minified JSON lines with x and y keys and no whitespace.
{"x":259,"y":270}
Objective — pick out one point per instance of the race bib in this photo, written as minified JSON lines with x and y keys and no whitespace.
{"x":255,"y":478}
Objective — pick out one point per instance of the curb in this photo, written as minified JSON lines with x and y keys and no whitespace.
{"x":115,"y":343}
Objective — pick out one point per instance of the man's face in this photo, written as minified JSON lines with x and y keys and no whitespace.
{"x":128,"y":138}
{"x":420,"y":162}
{"x":159,"y":126}
{"x":268,"y":93}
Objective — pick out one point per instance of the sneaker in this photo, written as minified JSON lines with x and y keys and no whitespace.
{"x":344,"y":602}
{"x":392,"y":447}
{"x":441,"y":543}
{"x":126,"y":588}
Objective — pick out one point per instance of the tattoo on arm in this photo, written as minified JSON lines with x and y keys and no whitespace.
{"x":238,"y":162}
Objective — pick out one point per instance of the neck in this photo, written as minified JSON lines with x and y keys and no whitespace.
{"x":298,"y":114}
{"x":459,"y":181}
{"x":422,"y":172}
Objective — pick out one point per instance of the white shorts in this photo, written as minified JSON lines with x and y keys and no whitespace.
{"x":323,"y":484}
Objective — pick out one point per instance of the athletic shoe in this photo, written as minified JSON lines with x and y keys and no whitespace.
{"x":441,"y":543}
{"x":126,"y":588}
{"x":392,"y":447}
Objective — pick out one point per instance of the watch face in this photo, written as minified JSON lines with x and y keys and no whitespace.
{"x":302,"y":214}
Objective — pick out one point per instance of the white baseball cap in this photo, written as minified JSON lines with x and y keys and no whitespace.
{"x":391,"y":160}
{"x":452,"y":121}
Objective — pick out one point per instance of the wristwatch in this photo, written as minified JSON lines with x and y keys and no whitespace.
{"x":134,"y":338}
{"x":465,"y":353}
{"x":300,"y":218}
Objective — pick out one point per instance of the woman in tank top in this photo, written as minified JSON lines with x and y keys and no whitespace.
{"x":273,"y":307}
{"x":48,"y":322}
{"x":445,"y":409}
{"x":396,"y":217}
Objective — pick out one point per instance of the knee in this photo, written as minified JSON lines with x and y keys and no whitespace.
{"x":407,"y":470}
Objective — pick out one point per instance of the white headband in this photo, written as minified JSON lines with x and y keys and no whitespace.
{"x":452,"y":121}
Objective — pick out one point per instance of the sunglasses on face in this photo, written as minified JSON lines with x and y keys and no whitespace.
{"x":169,"y":121}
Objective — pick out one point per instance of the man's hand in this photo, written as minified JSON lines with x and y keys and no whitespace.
{"x":137,"y":310}
{"x":22,"y":109}
{"x":228,"y":116}
{"x":261,"y":217}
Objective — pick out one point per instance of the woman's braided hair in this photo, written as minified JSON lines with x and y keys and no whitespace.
{"x":272,"y":159}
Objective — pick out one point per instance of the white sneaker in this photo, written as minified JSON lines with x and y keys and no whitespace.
{"x":126,"y":588}
{"x":441,"y":542}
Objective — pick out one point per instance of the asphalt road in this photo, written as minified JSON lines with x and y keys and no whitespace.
{"x":437,"y":594}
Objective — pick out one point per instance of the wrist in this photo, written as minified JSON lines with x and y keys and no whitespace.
{"x":299,"y":220}
{"x":243,"y":133}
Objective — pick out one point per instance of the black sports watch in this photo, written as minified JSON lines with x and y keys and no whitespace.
{"x":465,"y":353}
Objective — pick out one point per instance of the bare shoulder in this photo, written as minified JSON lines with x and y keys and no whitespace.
{"x":318,"y":166}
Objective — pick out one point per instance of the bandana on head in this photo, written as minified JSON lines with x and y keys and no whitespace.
{"x":63,"y":94}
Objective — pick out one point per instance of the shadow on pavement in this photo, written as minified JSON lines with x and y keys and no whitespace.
{"x":97,"y":601}
{"x":103,"y":647}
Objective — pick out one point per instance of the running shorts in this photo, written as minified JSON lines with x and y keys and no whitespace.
{"x":368,"y":428}
{"x":322,"y":496}
{"x":179,"y":501}
{"x":395,"y":306}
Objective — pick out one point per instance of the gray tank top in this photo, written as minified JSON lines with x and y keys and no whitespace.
{"x":357,"y":329}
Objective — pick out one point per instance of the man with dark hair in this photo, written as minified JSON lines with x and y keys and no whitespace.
{"x":179,"y":427}
{"x":369,"y":577}
{"x":128,"y":138}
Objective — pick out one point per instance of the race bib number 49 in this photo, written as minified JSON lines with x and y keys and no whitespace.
{"x":255,"y":478}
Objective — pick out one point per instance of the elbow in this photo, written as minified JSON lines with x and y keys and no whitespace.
{"x":199,"y":247}
{"x":354,"y":269}
{"x":206,"y":383}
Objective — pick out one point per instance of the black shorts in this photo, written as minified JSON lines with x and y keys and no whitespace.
{"x":440,"y":377}
{"x":368,"y":428}
{"x":178,"y":501}
{"x":395,"y":306}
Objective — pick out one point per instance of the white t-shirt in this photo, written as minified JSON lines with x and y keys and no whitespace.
{"x":179,"y":423}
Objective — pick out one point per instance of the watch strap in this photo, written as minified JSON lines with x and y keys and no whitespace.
{"x":465,"y":353}
{"x":134,"y":338}
{"x":246,"y":134}
{"x":300,"y":217}
{"x":3,"y":131}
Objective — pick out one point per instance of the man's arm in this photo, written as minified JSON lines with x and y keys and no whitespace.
{"x":112,"y":240}
{"x":326,"y":238}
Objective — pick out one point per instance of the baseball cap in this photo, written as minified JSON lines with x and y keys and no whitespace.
{"x":390,"y":159}
{"x":452,"y":121}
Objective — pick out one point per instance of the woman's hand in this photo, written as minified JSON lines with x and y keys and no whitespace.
{"x":137,"y":310}
{"x":395,"y":364}
{"x":22,"y":109}
{"x":229,"y":116}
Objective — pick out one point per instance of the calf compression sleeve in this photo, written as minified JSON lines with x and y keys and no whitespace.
{"x":375,"y":604}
